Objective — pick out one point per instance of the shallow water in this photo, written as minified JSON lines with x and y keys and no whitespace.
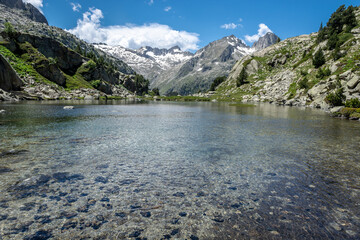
{"x":180,"y":171}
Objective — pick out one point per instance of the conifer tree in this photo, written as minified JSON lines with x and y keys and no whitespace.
{"x":319,"y":58}
{"x":241,"y":78}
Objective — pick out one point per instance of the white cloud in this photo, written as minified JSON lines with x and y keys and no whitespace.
{"x":132,"y":36}
{"x":36,"y":3}
{"x":76,"y":7}
{"x":229,"y":26}
{"x":151,"y":2}
{"x":263,"y":29}
{"x":167,"y":9}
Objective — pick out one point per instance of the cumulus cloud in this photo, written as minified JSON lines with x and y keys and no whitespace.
{"x":36,"y":3}
{"x":167,"y":9}
{"x":229,"y":26}
{"x":132,"y":36}
{"x":76,"y":7}
{"x":263,"y":29}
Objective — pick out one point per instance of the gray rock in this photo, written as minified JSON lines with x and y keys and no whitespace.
{"x":9,"y":80}
{"x":353,"y":82}
{"x":336,"y":109}
{"x":29,"y":10}
{"x":267,"y":40}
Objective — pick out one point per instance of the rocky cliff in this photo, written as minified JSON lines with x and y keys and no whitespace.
{"x":27,"y":9}
{"x":308,"y":70}
{"x":9,"y":80}
{"x":267,"y":40}
{"x":54,"y":64}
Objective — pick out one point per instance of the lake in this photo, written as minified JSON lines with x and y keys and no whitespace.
{"x":155,"y":170}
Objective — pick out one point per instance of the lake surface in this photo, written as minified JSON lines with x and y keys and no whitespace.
{"x":179,"y":171}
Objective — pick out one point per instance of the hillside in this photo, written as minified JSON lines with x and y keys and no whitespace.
{"x":53,"y":64}
{"x":289,"y":72}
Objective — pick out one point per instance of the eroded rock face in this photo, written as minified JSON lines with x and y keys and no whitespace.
{"x":68,"y":60}
{"x":30,"y":11}
{"x":9,"y":80}
{"x":265,"y":41}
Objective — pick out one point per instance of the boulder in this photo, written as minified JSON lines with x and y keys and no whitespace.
{"x":253,"y":67}
{"x":353,"y":82}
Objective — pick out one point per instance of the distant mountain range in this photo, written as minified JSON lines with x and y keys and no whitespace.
{"x":174,"y":71}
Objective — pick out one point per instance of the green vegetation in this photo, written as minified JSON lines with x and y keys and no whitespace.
{"x":9,"y":29}
{"x":305,"y":57}
{"x":292,"y":90}
{"x":155,"y":92}
{"x":336,"y":99}
{"x":141,"y":84}
{"x":241,"y":79}
{"x":87,"y":67}
{"x":352,"y":103}
{"x":350,"y":112}
{"x":95,"y":83}
{"x":319,"y":59}
{"x":217,"y":82}
{"x":323,"y":73}
{"x":23,"y":68}
{"x":304,"y":83}
{"x":76,"y":82}
{"x":342,"y":20}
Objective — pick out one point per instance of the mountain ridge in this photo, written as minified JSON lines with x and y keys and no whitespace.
{"x":176,"y":73}
{"x":29,"y":10}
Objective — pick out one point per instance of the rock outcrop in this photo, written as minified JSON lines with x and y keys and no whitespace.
{"x":265,"y":41}
{"x":51,"y":63}
{"x":9,"y":80}
{"x":29,"y":10}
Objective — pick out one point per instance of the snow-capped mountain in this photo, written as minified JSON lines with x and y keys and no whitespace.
{"x":214,"y":60}
{"x":175,"y":71}
{"x":148,"y":61}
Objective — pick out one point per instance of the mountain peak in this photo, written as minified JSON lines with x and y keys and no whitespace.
{"x":265,"y":41}
{"x":30,"y":11}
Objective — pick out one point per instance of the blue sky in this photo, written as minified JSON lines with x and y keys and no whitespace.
{"x":191,"y":24}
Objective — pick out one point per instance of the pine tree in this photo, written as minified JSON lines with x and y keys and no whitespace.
{"x":321,"y":27}
{"x":319,"y":58}
{"x":241,"y":80}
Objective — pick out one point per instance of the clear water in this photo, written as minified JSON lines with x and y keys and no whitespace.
{"x":180,"y":171}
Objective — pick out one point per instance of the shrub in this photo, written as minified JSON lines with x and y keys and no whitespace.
{"x":9,"y":29}
{"x":217,"y":82}
{"x":156,"y":91}
{"x":303,"y":84}
{"x":95,"y":83}
{"x":353,"y":103}
{"x":319,"y":59}
{"x":336,"y":99}
{"x":323,"y":73}
{"x":346,"y":112}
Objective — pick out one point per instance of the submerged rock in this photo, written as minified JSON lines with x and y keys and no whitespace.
{"x":40,"y":235}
